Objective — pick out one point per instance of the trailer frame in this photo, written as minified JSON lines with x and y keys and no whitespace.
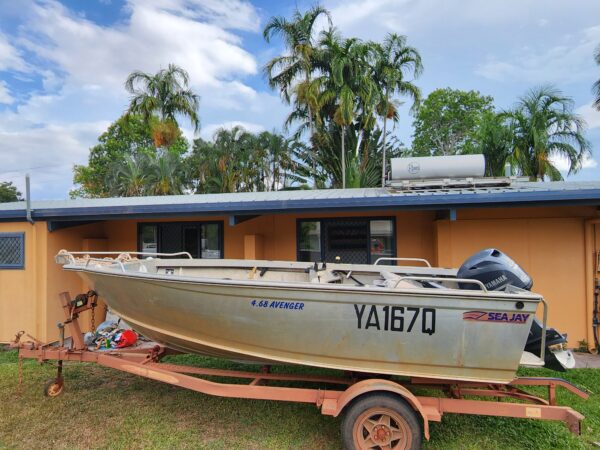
{"x":145,"y":361}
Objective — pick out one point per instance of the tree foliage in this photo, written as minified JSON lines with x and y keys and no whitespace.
{"x":339,"y":85}
{"x":395,"y":60}
{"x":494,"y":139}
{"x":447,"y":120}
{"x":343,"y":91}
{"x":159,"y":99}
{"x":9,"y":192}
{"x":545,"y":127}
{"x":125,"y":141}
{"x":239,"y":161}
{"x":363,"y":169}
{"x":596,"y":87}
{"x":159,"y":173}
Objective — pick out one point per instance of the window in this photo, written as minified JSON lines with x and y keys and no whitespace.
{"x":382,"y":239}
{"x":199,"y":239}
{"x":12,"y":250}
{"x":354,"y":240}
{"x":148,"y":236}
{"x":309,"y":240}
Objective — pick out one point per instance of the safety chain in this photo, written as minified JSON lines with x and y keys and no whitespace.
{"x":93,"y":319}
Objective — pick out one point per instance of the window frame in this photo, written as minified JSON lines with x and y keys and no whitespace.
{"x":21,"y":265}
{"x":183,"y":223}
{"x":321,"y":220}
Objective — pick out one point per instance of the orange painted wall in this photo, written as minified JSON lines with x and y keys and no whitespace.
{"x":414,"y":231}
{"x":550,"y":250}
{"x":22,"y":289}
{"x":29,"y":297}
{"x":547,"y":242}
{"x":59,"y":280}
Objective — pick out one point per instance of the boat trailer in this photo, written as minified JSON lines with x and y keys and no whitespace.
{"x":377,"y":410}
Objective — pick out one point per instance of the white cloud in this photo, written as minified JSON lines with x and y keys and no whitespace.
{"x":562,"y":163}
{"x":231,"y":14}
{"x":48,"y":153}
{"x":444,"y":21}
{"x":83,"y":65}
{"x":9,"y":57}
{"x":590,"y":114}
{"x":209,"y":130}
{"x":5,"y":96}
{"x":154,"y":36}
{"x":543,"y":22}
{"x":569,"y":61}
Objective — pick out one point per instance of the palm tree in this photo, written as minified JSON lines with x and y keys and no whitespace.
{"x":393,"y":59}
{"x":364,"y":168}
{"x":160,"y":98}
{"x":597,"y":83}
{"x":494,"y":139}
{"x":347,"y":89}
{"x":129,"y":178}
{"x":298,"y":34}
{"x":166,"y":174}
{"x":545,"y":126}
{"x":285,"y":72}
{"x":274,"y":154}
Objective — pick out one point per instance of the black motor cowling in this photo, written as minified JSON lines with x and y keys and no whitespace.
{"x":495,"y":270}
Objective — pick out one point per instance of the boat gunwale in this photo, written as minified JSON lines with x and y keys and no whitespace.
{"x":309,"y":286}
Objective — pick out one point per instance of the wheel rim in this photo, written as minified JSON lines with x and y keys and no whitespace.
{"x":381,"y":428}
{"x":54,"y":389}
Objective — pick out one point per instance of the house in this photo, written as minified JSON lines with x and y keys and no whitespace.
{"x":550,"y":228}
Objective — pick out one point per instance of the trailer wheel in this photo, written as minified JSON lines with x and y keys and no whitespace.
{"x":54,"y":387}
{"x":381,"y":421}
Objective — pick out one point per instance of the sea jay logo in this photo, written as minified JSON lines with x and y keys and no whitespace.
{"x":498,"y":317}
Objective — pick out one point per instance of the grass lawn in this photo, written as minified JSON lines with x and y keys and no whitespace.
{"x":102,"y":408}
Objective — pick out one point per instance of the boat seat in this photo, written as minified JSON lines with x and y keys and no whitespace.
{"x":325,"y":276}
{"x":393,"y":281}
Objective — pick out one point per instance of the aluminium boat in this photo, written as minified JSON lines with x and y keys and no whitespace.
{"x":378,"y":319}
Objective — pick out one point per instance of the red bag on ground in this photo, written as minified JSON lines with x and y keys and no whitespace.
{"x":127,"y":338}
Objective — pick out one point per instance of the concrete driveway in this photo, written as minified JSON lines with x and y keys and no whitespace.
{"x":587,"y":360}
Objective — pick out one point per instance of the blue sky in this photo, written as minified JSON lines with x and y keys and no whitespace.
{"x":63,"y":64}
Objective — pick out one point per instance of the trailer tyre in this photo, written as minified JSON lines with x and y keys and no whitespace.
{"x":381,"y":421}
{"x":54,"y":387}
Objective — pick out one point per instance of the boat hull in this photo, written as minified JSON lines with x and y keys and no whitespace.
{"x":419,"y":333}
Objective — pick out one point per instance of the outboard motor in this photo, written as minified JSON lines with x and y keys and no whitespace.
{"x":497,"y":271}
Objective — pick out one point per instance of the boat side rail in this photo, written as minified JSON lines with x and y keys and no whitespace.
{"x":427,"y":263}
{"x":121,"y":255}
{"x":438,"y":279}
{"x":110,"y":262}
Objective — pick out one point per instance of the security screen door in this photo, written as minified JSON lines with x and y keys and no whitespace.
{"x":346,"y":239}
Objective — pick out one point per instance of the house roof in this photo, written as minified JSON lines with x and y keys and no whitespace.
{"x":253,"y":203}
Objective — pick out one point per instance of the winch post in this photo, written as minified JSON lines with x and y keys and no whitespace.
{"x":72,"y":318}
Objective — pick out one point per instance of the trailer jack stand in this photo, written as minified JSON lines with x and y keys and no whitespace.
{"x":55,"y":386}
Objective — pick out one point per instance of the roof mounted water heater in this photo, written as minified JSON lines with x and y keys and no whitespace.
{"x":428,"y":172}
